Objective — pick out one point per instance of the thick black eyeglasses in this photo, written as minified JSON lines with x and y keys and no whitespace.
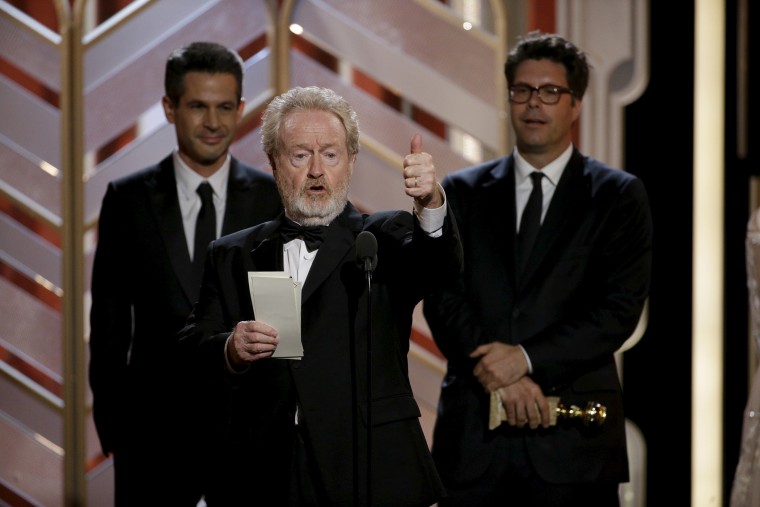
{"x":548,"y":94}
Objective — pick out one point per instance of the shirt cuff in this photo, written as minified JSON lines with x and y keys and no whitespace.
{"x":527,"y":358}
{"x":432,"y":219}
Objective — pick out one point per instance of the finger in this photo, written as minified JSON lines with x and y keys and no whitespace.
{"x":545,"y":411}
{"x":265,"y":341}
{"x":517,"y":417}
{"x":480,"y":351}
{"x":511,"y":417}
{"x":534,"y":415}
{"x":261,"y":349}
{"x":524,"y":415}
{"x":477,"y":372}
{"x":416,"y":145}
{"x":257,"y":326}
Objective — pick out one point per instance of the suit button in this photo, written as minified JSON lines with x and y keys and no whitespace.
{"x":515,"y":313}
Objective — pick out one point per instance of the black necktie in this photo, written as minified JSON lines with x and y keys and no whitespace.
{"x":205,"y":225}
{"x":312,"y":236}
{"x":531,"y":220}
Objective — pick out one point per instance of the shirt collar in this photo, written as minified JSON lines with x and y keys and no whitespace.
{"x":553,"y":170}
{"x":188,"y":180}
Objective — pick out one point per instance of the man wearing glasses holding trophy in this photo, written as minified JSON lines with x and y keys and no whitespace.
{"x":557,"y":250}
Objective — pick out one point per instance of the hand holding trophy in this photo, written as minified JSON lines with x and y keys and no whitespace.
{"x":593,"y":415}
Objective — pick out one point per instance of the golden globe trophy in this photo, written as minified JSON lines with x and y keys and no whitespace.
{"x":594,"y":414}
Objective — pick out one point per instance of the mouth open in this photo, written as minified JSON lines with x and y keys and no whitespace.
{"x":316,"y":190}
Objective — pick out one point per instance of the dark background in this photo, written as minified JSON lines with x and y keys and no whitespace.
{"x":659,"y":149}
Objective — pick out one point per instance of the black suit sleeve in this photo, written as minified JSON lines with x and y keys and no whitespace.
{"x":455,"y":329}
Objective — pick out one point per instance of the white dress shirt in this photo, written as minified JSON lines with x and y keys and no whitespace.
{"x":189,"y":200}
{"x":523,"y":184}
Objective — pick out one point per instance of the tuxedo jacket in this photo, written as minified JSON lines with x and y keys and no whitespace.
{"x":142,"y":294}
{"x":341,"y":317}
{"x":575,"y":303}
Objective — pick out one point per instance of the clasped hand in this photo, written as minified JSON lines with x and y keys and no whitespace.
{"x":503,"y":368}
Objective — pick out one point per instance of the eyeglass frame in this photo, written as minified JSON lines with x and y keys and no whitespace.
{"x":559,"y":90}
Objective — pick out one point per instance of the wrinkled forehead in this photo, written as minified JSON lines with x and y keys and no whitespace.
{"x":312,"y":128}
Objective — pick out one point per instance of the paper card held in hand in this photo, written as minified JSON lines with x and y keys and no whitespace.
{"x":276,"y":299}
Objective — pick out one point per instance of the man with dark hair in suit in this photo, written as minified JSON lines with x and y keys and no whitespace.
{"x":307,"y":432}
{"x":151,"y":409}
{"x":557,"y":269}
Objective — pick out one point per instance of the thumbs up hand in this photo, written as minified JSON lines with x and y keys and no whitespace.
{"x":419,"y":176}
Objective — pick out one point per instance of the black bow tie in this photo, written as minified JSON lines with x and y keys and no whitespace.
{"x":312,"y":236}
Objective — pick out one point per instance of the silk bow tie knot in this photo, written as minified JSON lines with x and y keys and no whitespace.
{"x":312,"y":236}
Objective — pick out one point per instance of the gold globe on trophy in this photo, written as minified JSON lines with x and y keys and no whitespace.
{"x":593,"y":415}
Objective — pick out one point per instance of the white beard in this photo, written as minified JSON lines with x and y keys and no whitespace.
{"x":308,"y":210}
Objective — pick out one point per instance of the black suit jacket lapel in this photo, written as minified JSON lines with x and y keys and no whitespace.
{"x":339,"y":241}
{"x":267,"y":247}
{"x":266,"y":255}
{"x":239,"y":207}
{"x":163,"y":195}
{"x":236,"y":209}
{"x":565,"y":208}
{"x":499,"y":221}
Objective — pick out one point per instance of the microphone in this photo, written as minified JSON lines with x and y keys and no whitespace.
{"x":366,"y":251}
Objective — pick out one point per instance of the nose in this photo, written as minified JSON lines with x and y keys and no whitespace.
{"x":315,"y":167}
{"x":211,"y":119}
{"x":533,"y":99}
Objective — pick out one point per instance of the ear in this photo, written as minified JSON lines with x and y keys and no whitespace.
{"x":272,"y":163}
{"x":351,"y":162}
{"x":241,"y":108}
{"x":577,"y":109}
{"x":168,"y":109}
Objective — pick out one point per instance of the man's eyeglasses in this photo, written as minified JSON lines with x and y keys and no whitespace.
{"x":548,"y":94}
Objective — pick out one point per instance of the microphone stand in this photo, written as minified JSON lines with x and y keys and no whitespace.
{"x":366,"y":257}
{"x":368,"y":271}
